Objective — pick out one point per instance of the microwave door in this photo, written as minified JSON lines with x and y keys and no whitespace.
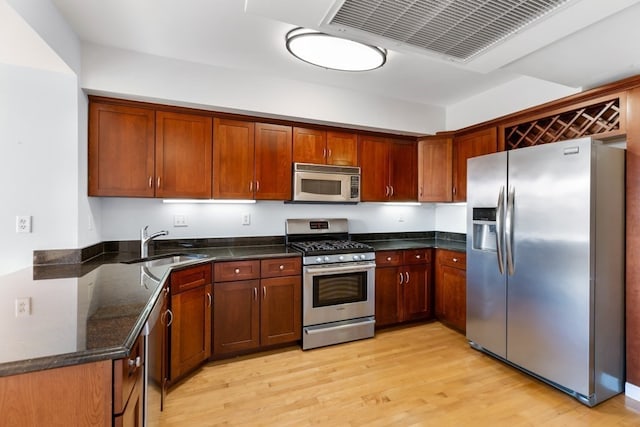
{"x":321,"y":187}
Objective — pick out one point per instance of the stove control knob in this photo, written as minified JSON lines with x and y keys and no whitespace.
{"x":327,"y":259}
{"x":319,"y":259}
{"x":341,"y":258}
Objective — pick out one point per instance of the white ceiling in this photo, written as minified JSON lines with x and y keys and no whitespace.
{"x":585,"y":44}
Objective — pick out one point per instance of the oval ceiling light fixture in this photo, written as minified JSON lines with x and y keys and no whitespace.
{"x":335,"y":53}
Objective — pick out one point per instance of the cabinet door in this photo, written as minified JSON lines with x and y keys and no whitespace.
{"x":402,"y":172}
{"x":190,"y":330}
{"x":435,"y":170}
{"x":133,"y":413}
{"x":273,"y":162}
{"x":471,"y":145}
{"x":233,"y":159}
{"x":416,"y":292}
{"x":373,"y":155}
{"x":309,"y":146}
{"x":236,"y":316}
{"x":452,"y":296}
{"x":342,"y":148}
{"x":183,"y":155}
{"x":387,"y":296}
{"x":280,"y":310}
{"x":121,"y":150}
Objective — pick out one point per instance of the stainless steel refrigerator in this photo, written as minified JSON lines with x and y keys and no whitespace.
{"x":545,"y":263}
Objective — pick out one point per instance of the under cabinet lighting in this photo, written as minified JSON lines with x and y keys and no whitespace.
{"x":210,"y":201}
{"x":402,"y":203}
{"x":334,"y":53}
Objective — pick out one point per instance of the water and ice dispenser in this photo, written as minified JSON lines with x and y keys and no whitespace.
{"x":484,"y":229}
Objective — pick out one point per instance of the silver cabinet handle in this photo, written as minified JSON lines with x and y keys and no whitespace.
{"x":264,"y":292}
{"x":511,"y":267}
{"x":406,"y":282}
{"x":401,"y":278}
{"x":418,"y":256}
{"x":137,"y":362}
{"x":170,"y":314}
{"x":281,"y":267}
{"x":392,"y":191}
{"x":500,"y":230}
{"x":251,"y":187}
{"x":388,"y":258}
{"x":158,"y":182}
{"x":209,"y":297}
{"x":324,"y":153}
{"x":237,"y":271}
{"x":329,"y":153}
{"x":255,"y":294}
{"x":386,"y":191}
{"x":150,"y":182}
{"x":455,"y":259}
{"x":257,"y":186}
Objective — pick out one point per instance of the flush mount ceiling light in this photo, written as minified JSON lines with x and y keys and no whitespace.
{"x":332,"y":52}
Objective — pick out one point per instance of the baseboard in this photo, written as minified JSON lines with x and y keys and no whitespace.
{"x":632,"y":391}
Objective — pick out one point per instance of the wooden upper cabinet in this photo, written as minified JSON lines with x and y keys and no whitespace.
{"x":473,"y":144}
{"x":325,"y":147}
{"x":402,"y":172}
{"x":388,"y":170}
{"x":435,"y":169}
{"x":183,"y":155}
{"x":374,"y":168}
{"x":233,"y":159}
{"x":121,"y":150}
{"x":309,"y":145}
{"x":272,"y":162}
{"x":342,"y":148}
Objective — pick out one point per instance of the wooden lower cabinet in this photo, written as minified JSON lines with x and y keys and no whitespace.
{"x":403,"y":286}
{"x":260,"y":312}
{"x":190,"y":330}
{"x":451,"y":289}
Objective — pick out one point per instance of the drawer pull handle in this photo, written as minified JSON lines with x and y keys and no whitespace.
{"x":209,"y":297}
{"x":401,"y":278}
{"x":137,"y":362}
{"x":417,"y":256}
{"x":281,"y":267}
{"x":255,"y":294}
{"x":237,"y":271}
{"x":170,"y":314}
{"x":388,"y":258}
{"x":455,"y":260}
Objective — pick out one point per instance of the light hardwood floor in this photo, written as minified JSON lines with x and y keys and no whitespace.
{"x":424,"y":375}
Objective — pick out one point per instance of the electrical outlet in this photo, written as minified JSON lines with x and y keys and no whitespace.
{"x":23,"y":224}
{"x":180,"y":221}
{"x":23,"y":306}
{"x":246,"y":219}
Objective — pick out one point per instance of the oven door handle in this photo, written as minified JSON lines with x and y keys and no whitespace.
{"x":341,"y":269}
{"x":344,"y":326}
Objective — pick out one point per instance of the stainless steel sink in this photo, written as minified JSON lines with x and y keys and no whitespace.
{"x":166,"y":259}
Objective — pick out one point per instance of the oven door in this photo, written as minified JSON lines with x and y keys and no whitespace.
{"x":338,"y":292}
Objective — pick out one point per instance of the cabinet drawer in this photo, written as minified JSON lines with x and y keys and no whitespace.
{"x":452,"y":258}
{"x":388,"y":258}
{"x":236,"y":270}
{"x":189,"y":278}
{"x":417,"y":256}
{"x":126,"y":372}
{"x":280,"y":267}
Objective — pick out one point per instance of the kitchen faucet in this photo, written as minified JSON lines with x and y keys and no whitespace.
{"x":145,"y":239}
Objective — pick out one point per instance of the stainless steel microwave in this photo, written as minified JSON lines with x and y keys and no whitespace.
{"x":326,"y":183}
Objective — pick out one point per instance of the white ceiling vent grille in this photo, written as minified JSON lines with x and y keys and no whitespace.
{"x":459,"y":29}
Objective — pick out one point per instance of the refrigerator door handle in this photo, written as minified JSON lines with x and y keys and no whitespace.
{"x":509,"y":231}
{"x":500,"y":230}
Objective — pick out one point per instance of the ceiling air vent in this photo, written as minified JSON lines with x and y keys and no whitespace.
{"x":458,"y":29}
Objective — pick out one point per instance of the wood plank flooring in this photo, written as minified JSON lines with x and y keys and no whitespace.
{"x":423,"y":375}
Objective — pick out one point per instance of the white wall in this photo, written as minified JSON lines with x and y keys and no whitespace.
{"x":451,"y":217}
{"x":123,"y":218}
{"x":134,"y":75}
{"x":38,"y":166}
{"x":515,"y":95}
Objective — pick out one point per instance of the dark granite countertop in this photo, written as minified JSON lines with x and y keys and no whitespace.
{"x":398,"y":244}
{"x":92,"y":311}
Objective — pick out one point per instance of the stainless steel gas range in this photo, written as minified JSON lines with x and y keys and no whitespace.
{"x":338,"y":286}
